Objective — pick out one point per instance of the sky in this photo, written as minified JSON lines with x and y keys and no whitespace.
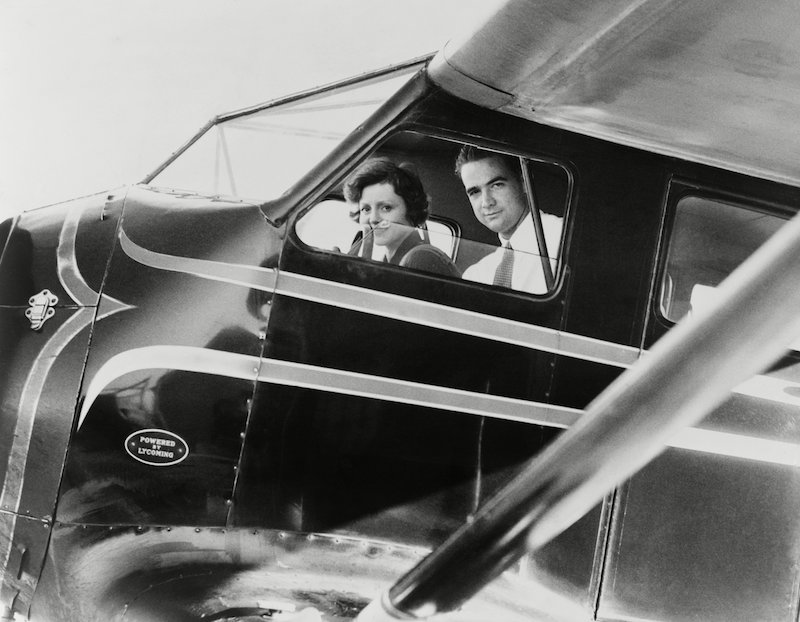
{"x":95,"y":94}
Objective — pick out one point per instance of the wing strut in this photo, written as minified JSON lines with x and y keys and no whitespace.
{"x":690,"y":371}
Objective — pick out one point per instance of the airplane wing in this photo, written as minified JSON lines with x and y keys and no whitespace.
{"x":713,"y":82}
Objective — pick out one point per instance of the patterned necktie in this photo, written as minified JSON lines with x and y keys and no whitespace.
{"x":502,"y":276}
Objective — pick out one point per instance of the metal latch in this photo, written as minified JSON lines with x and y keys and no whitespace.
{"x":41,"y":308}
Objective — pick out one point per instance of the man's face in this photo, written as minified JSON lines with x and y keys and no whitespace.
{"x":496,"y":195}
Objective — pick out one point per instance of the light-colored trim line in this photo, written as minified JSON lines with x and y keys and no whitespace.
{"x":184,"y":358}
{"x":416,"y":393}
{"x":498,"y":329}
{"x":202,"y":360}
{"x":738,"y":446}
{"x":392,"y":306}
{"x":428,"y":314}
{"x":29,"y":403}
{"x":75,"y":285}
{"x":237,"y":274}
{"x":286,"y":373}
{"x":455,"y":319}
{"x":772,"y":389}
{"x":26,"y":413}
{"x":71,"y":279}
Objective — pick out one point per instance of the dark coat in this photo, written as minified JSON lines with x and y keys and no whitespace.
{"x":413,"y":253}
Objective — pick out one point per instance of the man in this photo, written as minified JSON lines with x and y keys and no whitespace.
{"x":493,"y":183}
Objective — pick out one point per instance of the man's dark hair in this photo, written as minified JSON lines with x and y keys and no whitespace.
{"x":402,"y":177}
{"x":471,"y":153}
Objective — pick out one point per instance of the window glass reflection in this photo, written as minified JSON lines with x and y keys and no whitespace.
{"x":494,"y":213}
{"x":709,"y":239}
{"x":258,"y":156}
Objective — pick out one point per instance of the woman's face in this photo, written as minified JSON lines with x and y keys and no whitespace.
{"x":386,"y":214}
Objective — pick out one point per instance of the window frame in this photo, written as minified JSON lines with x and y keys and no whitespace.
{"x":398,"y":76}
{"x":459,"y":138}
{"x":679,"y":189}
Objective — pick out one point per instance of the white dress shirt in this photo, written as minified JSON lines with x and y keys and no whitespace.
{"x":528,"y":275}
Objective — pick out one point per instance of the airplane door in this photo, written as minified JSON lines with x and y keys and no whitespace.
{"x":329,"y":450}
{"x":712,"y":531}
{"x":365,"y":416}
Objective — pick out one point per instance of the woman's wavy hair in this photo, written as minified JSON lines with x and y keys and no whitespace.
{"x":403,"y":178}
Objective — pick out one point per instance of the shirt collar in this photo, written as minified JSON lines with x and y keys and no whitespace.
{"x":524,"y":237}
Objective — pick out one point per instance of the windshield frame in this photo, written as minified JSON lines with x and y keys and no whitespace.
{"x":364,"y":79}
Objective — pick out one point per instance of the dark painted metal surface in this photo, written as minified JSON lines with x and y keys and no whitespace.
{"x":30,"y":261}
{"x":39,"y":398}
{"x":704,"y":81}
{"x":27,"y":552}
{"x":42,"y":369}
{"x":723,"y":526}
{"x":170,"y":309}
{"x":192,"y":313}
{"x":622,"y":430}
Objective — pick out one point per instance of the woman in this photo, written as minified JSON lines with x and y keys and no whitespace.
{"x":391,"y":205}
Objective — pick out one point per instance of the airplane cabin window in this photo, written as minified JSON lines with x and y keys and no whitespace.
{"x":332,"y":225}
{"x":259,"y":155}
{"x":709,"y":239}
{"x":522,"y":201}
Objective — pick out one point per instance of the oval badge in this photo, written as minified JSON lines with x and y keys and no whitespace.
{"x":156,"y":447}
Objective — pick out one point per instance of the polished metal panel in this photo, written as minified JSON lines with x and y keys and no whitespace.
{"x":699,"y":537}
{"x":166,"y":307}
{"x":41,"y":371}
{"x":27,"y":543}
{"x":686,"y":374}
{"x":41,"y":308}
{"x":713,"y":82}
{"x":38,"y":382}
{"x":132,"y":572}
{"x":335,"y":418}
{"x":63,"y":249}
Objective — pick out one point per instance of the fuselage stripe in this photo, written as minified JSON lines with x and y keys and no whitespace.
{"x":286,"y":373}
{"x":425,"y":313}
{"x":454,"y":319}
{"x":74,"y":284}
{"x":390,"y":305}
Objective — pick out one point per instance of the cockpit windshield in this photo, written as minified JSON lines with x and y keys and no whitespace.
{"x":259,"y":153}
